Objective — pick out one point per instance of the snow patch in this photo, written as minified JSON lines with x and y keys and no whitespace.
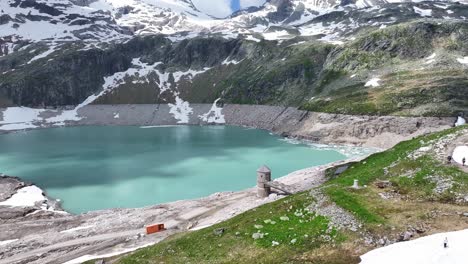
{"x":6,"y":242}
{"x":12,"y":127}
{"x":374,"y":82}
{"x":26,"y":197}
{"x":460,"y":121}
{"x":215,"y":114}
{"x":140,"y":71}
{"x":463,"y":60}
{"x":252,"y":38}
{"x":442,"y":6}
{"x":422,"y":12}
{"x":108,"y":255}
{"x":51,"y":50}
{"x":430,"y":59}
{"x":18,"y":118}
{"x":189,"y":74}
{"x":228,"y":62}
{"x":14,"y":115}
{"x":426,"y":250}
{"x":181,"y":110}
{"x":72,"y":115}
{"x":459,"y":153}
{"x":276,"y":35}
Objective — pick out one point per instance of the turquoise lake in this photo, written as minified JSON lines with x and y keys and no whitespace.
{"x":92,"y":168}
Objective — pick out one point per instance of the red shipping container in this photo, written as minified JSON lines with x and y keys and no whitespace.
{"x":151,"y":229}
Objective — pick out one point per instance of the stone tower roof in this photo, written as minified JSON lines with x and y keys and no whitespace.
{"x":264,"y":169}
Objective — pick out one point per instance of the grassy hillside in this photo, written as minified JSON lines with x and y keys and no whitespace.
{"x":424,"y":196}
{"x":417,"y":67}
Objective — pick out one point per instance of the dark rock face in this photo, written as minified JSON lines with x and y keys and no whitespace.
{"x":9,"y":186}
{"x":284,"y":10}
{"x":83,"y":2}
{"x":74,"y":74}
{"x":41,"y":7}
{"x":4,"y":19}
{"x":64,"y":81}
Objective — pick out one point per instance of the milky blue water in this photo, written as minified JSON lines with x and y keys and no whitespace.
{"x":91,"y":168}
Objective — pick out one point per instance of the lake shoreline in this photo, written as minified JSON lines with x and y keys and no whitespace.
{"x":368,"y":131}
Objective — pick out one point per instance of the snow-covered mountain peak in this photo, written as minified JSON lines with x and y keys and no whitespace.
{"x":102,"y":21}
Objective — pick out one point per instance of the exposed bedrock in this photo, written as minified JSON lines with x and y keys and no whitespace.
{"x":370,"y":131}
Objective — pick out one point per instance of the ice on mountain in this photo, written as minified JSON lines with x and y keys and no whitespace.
{"x":215,"y":114}
{"x":18,"y":118}
{"x":50,"y":50}
{"x":423,"y":12}
{"x":181,"y":110}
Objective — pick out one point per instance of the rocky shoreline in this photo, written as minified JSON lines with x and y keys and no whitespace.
{"x":369,"y":131}
{"x":42,"y":206}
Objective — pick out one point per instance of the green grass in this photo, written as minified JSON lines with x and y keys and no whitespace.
{"x":348,"y":102}
{"x":411,"y":177}
{"x":392,"y":164}
{"x":428,"y":93}
{"x":351,"y":202}
{"x":301,"y":232}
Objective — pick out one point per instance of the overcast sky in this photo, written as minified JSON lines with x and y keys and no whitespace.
{"x":223,"y":8}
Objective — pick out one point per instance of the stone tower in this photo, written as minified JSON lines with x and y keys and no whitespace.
{"x":263,"y":177}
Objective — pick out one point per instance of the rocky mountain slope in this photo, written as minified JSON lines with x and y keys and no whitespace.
{"x":353,"y":57}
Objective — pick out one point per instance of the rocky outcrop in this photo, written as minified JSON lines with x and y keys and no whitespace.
{"x":372,"y":131}
{"x":9,"y":186}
